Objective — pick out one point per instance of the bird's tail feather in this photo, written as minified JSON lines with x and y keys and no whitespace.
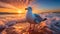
{"x":44,"y":19}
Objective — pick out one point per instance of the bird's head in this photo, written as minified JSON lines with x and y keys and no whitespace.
{"x":29,"y":8}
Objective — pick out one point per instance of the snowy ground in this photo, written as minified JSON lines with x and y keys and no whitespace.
{"x":50,"y":26}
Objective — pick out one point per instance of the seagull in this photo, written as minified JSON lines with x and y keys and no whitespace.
{"x":33,"y":18}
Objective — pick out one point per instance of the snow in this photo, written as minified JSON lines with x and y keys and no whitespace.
{"x":51,"y":25}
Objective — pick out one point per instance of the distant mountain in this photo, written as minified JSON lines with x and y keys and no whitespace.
{"x":51,"y":11}
{"x":7,"y":13}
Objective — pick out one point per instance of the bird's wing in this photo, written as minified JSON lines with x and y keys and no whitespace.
{"x":38,"y":19}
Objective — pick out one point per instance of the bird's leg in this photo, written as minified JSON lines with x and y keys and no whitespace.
{"x":30,"y":27}
{"x":33,"y":26}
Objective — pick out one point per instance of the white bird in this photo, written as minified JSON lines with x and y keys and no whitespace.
{"x":33,"y":18}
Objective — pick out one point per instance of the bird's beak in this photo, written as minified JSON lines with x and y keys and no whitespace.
{"x":26,"y":8}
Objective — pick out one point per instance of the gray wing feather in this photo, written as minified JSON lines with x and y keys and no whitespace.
{"x":38,"y":19}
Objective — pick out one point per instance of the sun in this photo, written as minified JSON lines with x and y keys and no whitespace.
{"x":19,"y":11}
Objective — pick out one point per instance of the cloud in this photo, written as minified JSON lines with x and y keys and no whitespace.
{"x":6,"y":5}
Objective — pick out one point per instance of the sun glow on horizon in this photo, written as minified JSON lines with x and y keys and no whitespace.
{"x":15,"y":7}
{"x":19,"y":11}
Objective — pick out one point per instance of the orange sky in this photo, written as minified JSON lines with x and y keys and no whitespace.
{"x":14,"y":6}
{"x":7,"y":10}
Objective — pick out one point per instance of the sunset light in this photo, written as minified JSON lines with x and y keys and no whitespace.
{"x":29,"y":16}
{"x":16,"y":7}
{"x":19,"y":11}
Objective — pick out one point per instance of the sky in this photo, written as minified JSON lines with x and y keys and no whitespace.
{"x":50,"y":4}
{"x":41,"y":3}
{"x":12,"y":5}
